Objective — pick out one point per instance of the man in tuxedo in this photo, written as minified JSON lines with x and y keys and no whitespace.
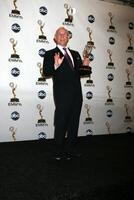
{"x":63,"y":64}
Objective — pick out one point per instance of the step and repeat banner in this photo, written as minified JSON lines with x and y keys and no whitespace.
{"x":104,"y":31}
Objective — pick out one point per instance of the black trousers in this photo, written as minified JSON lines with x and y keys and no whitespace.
{"x":67,"y":116}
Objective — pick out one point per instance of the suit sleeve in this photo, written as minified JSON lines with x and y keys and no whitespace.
{"x":48,"y":64}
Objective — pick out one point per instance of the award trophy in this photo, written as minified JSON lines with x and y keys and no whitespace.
{"x":109,"y":91}
{"x":90,"y":43}
{"x":13,"y":132}
{"x":110,"y":58}
{"x":111,"y":26}
{"x":85,"y":71}
{"x":130,"y":47}
{"x":128,"y":83}
{"x":69,"y":12}
{"x":14,"y":55}
{"x":87,"y":107}
{"x":42,"y":78}
{"x":108,"y":127}
{"x":14,"y":99}
{"x":41,"y":120}
{"x":15,"y":11}
{"x":42,"y":36}
{"x":127,"y":117}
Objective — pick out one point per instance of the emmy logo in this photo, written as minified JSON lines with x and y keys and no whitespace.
{"x":42,"y":36}
{"x":109,"y":100}
{"x":110,"y":63}
{"x":127,"y":117}
{"x":90,"y":43}
{"x":70,"y":13}
{"x":14,"y":55}
{"x":128,"y":83}
{"x":88,"y":118}
{"x":111,"y":26}
{"x":42,"y":78}
{"x":15,"y":11}
{"x":13,"y":132}
{"x":13,"y":87}
{"x":130,"y":47}
{"x":108,"y":125}
{"x":40,"y":109}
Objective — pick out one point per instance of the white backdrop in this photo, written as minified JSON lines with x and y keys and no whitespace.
{"x":25,"y":100}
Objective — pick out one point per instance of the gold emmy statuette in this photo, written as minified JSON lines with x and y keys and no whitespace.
{"x":40,"y":109}
{"x":108,"y":127}
{"x":127,"y":117}
{"x":42,"y":36}
{"x":109,"y":94}
{"x":69,"y":12}
{"x":14,"y":55}
{"x":42,"y":78}
{"x":15,"y":11}
{"x":110,"y":63}
{"x":13,"y":132}
{"x":130,"y":48}
{"x":90,"y":43}
{"x":13,"y":87}
{"x":85,"y":71}
{"x":87,"y":107}
{"x":128,"y":77}
{"x":111,"y":27}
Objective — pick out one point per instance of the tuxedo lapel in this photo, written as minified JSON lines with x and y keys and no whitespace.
{"x":57,"y":50}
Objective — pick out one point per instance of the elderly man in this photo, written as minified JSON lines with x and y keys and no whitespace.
{"x":63,"y":64}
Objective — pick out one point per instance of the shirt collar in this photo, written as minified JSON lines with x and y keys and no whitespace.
{"x":61,"y":48}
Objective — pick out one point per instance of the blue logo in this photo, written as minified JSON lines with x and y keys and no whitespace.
{"x":128,"y":129}
{"x":111,"y":40}
{"x":91,"y":18}
{"x":129,"y":61}
{"x":91,"y":57}
{"x":110,"y":77}
{"x":15,"y":115}
{"x":89,"y":95}
{"x":42,"y":52}
{"x":70,"y":34}
{"x":43,"y":10}
{"x":42,"y":135}
{"x":109,"y":113}
{"x":128,"y":95}
{"x":41,"y":94}
{"x":16,"y":28}
{"x":15,"y":72}
{"x":130,"y":25}
{"x":89,"y":132}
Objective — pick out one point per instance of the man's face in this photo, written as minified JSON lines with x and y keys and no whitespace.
{"x":62,"y":37}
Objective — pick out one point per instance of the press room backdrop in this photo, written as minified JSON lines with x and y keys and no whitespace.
{"x":104,"y":30}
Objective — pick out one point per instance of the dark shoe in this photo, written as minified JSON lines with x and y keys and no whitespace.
{"x":70,"y":156}
{"x":77,"y":155}
{"x":58,"y":156}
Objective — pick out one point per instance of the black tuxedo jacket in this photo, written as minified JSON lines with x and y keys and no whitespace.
{"x":66,"y":82}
